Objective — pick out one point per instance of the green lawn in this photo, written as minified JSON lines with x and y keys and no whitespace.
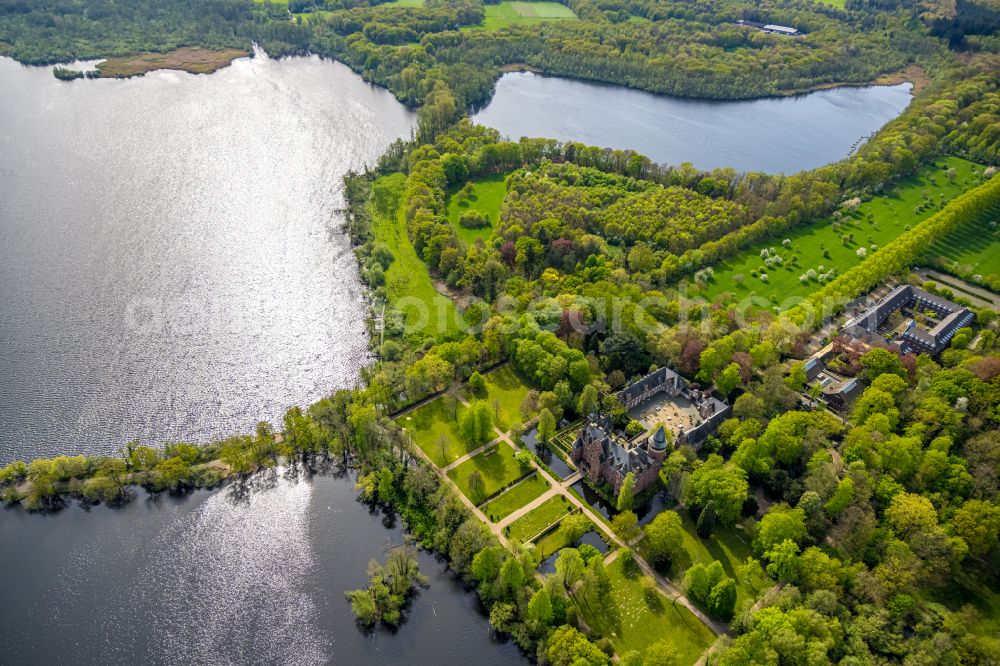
{"x":876,"y":221}
{"x":973,"y":589}
{"x":487,"y":196}
{"x":505,"y":393}
{"x":530,"y":525}
{"x":315,"y":15}
{"x":634,"y":617}
{"x":496,"y":466}
{"x":515,"y":497}
{"x":409,"y":288}
{"x":728,"y":545}
{"x":839,"y":4}
{"x":976,"y":246}
{"x":511,"y":13}
{"x":434,"y":428}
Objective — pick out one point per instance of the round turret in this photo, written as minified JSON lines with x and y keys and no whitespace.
{"x":659,"y":440}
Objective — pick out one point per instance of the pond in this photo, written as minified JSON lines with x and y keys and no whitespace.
{"x":171,"y":256}
{"x":545,"y":454}
{"x":251,"y":573}
{"x":785,"y":134}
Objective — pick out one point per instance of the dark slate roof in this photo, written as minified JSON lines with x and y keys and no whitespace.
{"x":659,"y":439}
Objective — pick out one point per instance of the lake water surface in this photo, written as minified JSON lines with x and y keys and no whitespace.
{"x":250,"y":574}
{"x":786,"y":134}
{"x":171,"y":262}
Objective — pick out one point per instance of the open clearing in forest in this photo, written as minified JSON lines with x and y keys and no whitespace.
{"x":486,"y":198}
{"x":408,"y":285}
{"x":504,"y":394}
{"x":634,"y":616}
{"x":877,"y":222}
{"x":728,"y":545}
{"x":510,"y":13}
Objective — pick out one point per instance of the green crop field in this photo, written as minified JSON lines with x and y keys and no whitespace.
{"x":875,"y":222}
{"x":408,"y":283}
{"x":510,"y":13}
{"x":496,"y":466}
{"x":634,"y":617}
{"x":515,"y":497}
{"x":434,"y":428}
{"x":487,"y":196}
{"x":505,"y":393}
{"x":533,"y":523}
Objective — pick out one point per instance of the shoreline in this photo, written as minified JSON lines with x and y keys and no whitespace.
{"x":194,"y":60}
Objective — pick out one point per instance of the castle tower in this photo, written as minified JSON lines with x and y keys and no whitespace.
{"x":658,"y":445}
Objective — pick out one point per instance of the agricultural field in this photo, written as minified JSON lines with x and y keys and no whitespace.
{"x":505,"y":393}
{"x":515,"y":497}
{"x":408,"y":285}
{"x":821,"y":247}
{"x":634,"y":616}
{"x":434,"y":428}
{"x":486,"y":197}
{"x":533,"y":523}
{"x":511,"y":13}
{"x":497,"y":468}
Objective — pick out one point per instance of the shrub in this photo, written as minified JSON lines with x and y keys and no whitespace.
{"x":473,"y":219}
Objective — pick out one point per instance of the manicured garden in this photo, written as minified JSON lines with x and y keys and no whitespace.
{"x":635,"y":615}
{"x":483,"y":196}
{"x":512,"y":13}
{"x":408,"y":283}
{"x":504,"y":394}
{"x":533,"y":523}
{"x":837,"y":245}
{"x":434,"y":428}
{"x":515,"y":497}
{"x":496,"y":468}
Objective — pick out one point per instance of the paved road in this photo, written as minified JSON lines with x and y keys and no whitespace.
{"x":980,"y":297}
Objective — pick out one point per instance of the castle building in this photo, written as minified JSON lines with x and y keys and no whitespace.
{"x":661,"y":397}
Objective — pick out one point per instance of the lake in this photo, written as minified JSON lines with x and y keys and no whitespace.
{"x":171,"y":259}
{"x":786,"y":134}
{"x":251,"y":573}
